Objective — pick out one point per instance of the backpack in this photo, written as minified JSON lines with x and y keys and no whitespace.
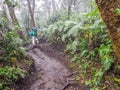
{"x":32,"y":33}
{"x":34,"y":29}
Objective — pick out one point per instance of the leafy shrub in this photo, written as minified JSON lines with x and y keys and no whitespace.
{"x":8,"y":75}
{"x":11,"y":52}
{"x":12,"y":46}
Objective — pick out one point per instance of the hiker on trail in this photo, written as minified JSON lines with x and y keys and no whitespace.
{"x":33,"y":33}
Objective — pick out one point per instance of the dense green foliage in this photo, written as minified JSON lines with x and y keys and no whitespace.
{"x":8,"y":76}
{"x":11,"y":54}
{"x":12,"y":46}
{"x":86,"y":39}
{"x":83,"y":36}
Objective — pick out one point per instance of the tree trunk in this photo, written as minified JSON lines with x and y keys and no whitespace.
{"x":4,"y":15}
{"x":112,"y":21}
{"x":12,"y":13}
{"x":69,"y":7}
{"x":54,"y":6}
{"x":31,"y":12}
{"x":1,"y":36}
{"x":33,"y":9}
{"x":13,"y":17}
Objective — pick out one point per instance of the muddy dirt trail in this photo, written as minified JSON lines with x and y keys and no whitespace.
{"x":51,"y":71}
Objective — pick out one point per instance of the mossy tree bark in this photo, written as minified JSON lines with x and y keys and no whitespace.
{"x":12,"y":13}
{"x":13,"y":17}
{"x":112,"y":21}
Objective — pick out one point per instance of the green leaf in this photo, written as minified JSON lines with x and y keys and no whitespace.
{"x":117,"y":80}
{"x":117,"y":10}
{"x":118,"y":67}
{"x":1,"y":85}
{"x":94,"y":88}
{"x":99,"y":74}
{"x":88,"y":83}
{"x":74,"y":59}
{"x":84,"y":53}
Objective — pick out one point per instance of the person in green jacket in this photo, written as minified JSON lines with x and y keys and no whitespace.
{"x":33,"y":33}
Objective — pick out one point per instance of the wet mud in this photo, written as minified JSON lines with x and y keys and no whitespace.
{"x":51,"y":71}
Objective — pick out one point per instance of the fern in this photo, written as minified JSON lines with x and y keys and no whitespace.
{"x":68,"y":25}
{"x":75,"y":30}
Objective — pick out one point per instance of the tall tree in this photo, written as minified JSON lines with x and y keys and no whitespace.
{"x":31,"y":10}
{"x":13,"y":17}
{"x":47,"y":7}
{"x":54,"y":5}
{"x":107,"y":9}
{"x":69,"y":4}
{"x":11,"y":12}
{"x":4,"y":15}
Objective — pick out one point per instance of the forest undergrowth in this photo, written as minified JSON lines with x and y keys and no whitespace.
{"x":86,"y":39}
{"x":14,"y":62}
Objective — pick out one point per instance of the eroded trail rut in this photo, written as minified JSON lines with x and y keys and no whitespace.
{"x":51,"y":73}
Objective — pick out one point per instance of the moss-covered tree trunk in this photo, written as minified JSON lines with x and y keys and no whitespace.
{"x":12,"y":13}
{"x":13,"y":17}
{"x":112,"y":20}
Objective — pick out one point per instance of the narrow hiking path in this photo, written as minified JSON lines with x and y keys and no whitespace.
{"x":51,"y":71}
